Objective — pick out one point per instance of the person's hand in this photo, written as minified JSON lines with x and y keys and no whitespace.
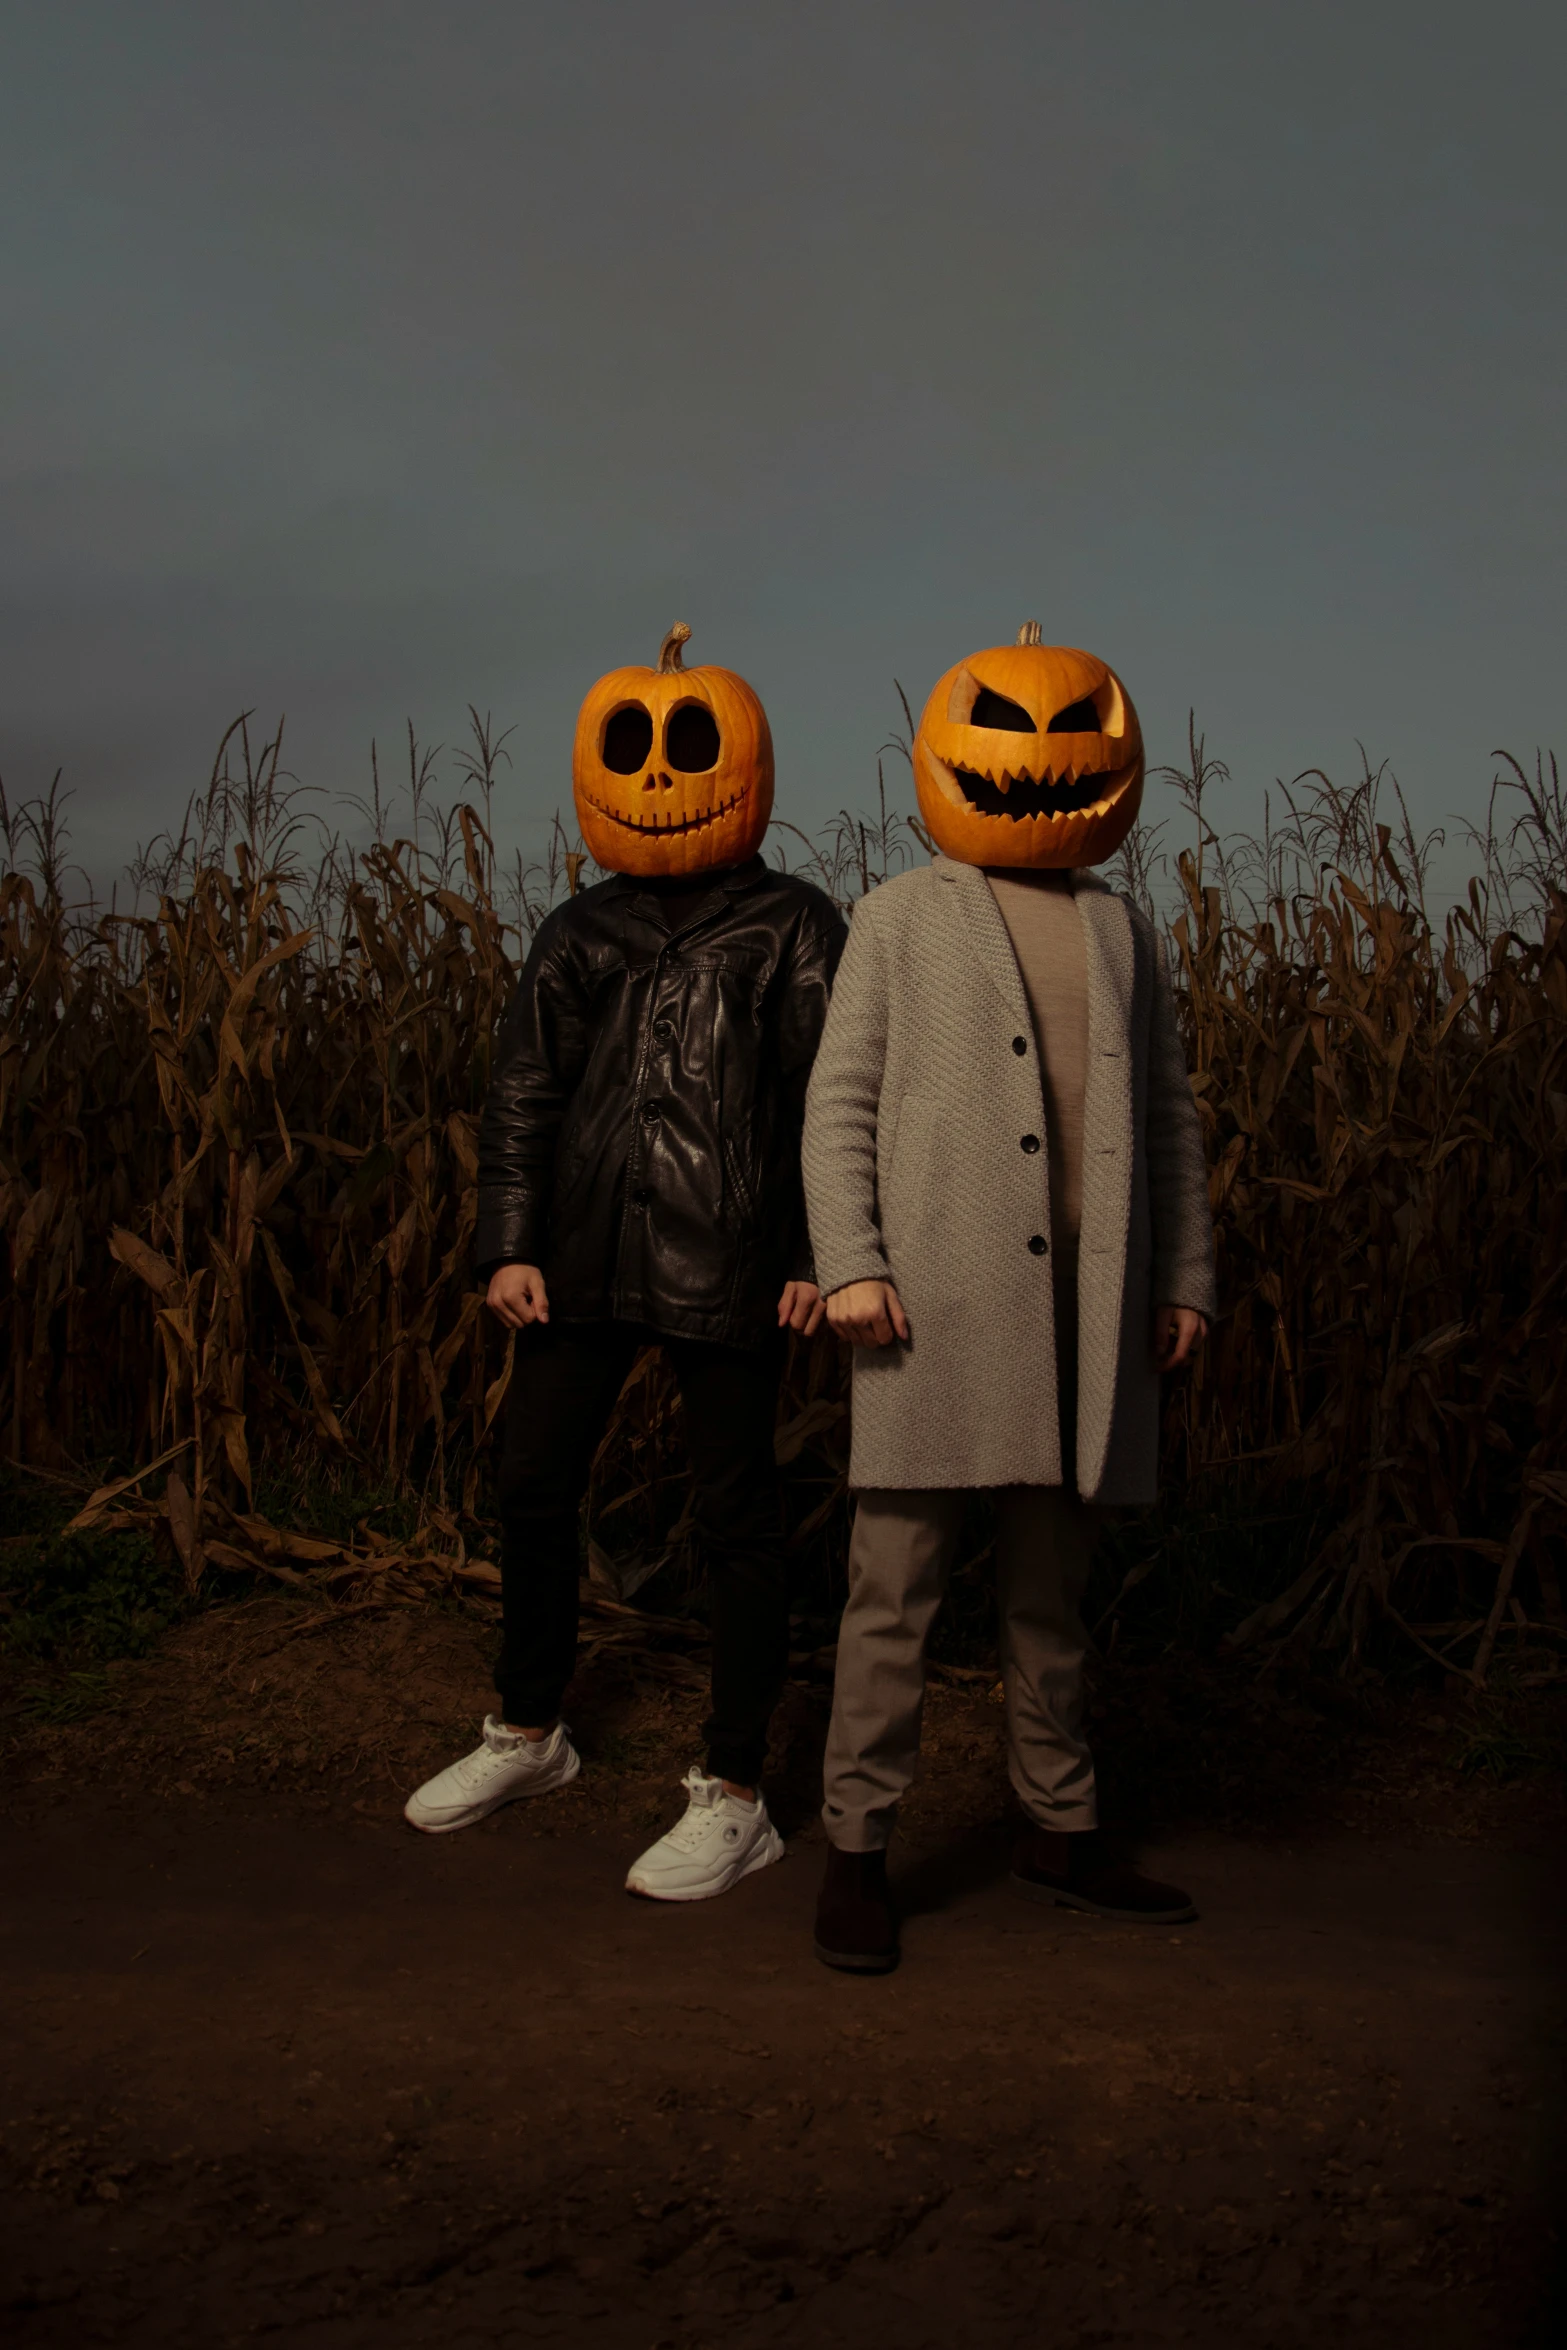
{"x":801,"y":1308}
{"x":517,"y":1296}
{"x":867,"y":1313}
{"x":1177,"y":1334}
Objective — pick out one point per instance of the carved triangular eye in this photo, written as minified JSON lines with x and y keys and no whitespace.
{"x":1077,"y":718}
{"x":996,"y":711}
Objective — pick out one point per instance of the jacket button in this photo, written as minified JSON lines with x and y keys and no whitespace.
{"x":1031,"y":1143}
{"x":652,"y":1112}
{"x":1038,"y":1245}
{"x":642,"y":1197}
{"x":663,"y":1030}
{"x":1020,"y":1044}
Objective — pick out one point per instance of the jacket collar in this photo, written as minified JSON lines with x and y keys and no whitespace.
{"x":1106,"y":934}
{"x":1083,"y":876}
{"x":631,"y":890}
{"x":732,"y":882}
{"x":986,"y":934}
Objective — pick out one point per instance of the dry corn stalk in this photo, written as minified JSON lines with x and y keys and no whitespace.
{"x":237,"y":1177}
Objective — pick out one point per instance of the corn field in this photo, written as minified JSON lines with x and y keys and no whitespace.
{"x":238,"y":1126}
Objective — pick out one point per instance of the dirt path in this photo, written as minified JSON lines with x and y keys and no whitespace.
{"x":274,"y":2074}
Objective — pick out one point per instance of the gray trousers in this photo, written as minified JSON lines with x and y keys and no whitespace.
{"x":902,"y":1552}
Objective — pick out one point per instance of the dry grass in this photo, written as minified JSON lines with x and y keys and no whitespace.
{"x":1386,"y":1105}
{"x":237,"y":1161}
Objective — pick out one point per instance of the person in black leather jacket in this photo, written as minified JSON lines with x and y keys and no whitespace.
{"x":639,"y":1181}
{"x":641,"y":1135}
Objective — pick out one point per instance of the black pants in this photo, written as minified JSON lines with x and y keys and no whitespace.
{"x":565,"y":1379}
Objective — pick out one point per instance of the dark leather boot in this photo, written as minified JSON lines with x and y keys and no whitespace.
{"x":856,"y":1924}
{"x":1074,"y":1872}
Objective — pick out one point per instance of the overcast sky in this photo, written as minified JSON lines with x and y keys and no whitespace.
{"x":365,"y":360}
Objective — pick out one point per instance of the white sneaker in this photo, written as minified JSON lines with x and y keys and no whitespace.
{"x":505,"y":1766}
{"x":719,"y":1841}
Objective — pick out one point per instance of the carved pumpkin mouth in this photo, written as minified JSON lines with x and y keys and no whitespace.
{"x":1020,"y":794}
{"x":666,"y":827}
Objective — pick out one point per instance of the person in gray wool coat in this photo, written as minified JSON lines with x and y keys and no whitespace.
{"x":1009,"y":1213}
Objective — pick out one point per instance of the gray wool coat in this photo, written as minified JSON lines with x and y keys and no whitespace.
{"x":926,"y":1080}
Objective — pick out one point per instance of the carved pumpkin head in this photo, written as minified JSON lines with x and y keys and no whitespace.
{"x":1029,"y":754}
{"x":672,"y":768}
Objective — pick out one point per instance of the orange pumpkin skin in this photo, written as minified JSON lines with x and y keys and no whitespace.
{"x":1024,"y":792}
{"x":672,"y":768}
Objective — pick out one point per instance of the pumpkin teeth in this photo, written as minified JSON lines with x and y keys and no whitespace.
{"x":655,"y":823}
{"x":1022,"y":796}
{"x":1054,"y":779}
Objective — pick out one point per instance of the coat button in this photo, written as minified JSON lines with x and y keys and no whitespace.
{"x":652,"y":1112}
{"x":1020,"y":1044}
{"x":663,"y":1030}
{"x":1038,"y":1245}
{"x":642,"y":1197}
{"x":1031,"y":1143}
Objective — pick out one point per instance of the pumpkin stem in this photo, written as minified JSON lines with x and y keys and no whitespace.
{"x":1030,"y":633}
{"x":669,"y":651}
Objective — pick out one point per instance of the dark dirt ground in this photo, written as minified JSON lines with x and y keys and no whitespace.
{"x":277,"y":2068}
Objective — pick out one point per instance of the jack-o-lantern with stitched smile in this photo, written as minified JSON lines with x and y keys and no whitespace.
{"x":672,"y":768}
{"x":1029,"y":754}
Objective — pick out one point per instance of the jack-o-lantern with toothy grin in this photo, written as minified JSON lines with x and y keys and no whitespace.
{"x":672,"y":768}
{"x":1029,"y":754}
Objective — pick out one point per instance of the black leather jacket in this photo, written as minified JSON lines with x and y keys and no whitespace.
{"x":641,"y":1136}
